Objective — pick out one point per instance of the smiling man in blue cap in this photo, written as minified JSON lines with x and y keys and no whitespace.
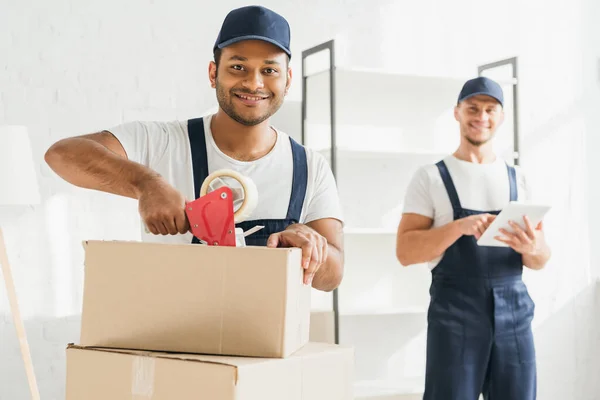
{"x":479,"y":337}
{"x":163,"y":164}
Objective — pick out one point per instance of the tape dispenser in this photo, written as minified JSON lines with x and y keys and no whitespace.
{"x":226,"y":198}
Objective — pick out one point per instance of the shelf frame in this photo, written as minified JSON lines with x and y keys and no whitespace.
{"x":330,"y":47}
{"x":515,"y":84}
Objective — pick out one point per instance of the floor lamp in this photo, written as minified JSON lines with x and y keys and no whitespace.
{"x":18,"y":187}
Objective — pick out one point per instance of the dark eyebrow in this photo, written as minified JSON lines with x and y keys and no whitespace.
{"x":238,"y":58}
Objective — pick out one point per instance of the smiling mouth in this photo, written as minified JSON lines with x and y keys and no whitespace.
{"x":249,"y":97}
{"x":479,"y":128}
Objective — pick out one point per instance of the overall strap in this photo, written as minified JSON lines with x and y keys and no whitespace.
{"x":512,"y":180}
{"x":198,"y":150}
{"x":199,"y":158}
{"x":449,"y":184}
{"x":299,"y":181}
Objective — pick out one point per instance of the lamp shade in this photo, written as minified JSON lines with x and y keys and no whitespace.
{"x":18,"y":182}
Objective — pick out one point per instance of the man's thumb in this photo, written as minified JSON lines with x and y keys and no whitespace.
{"x":273,"y":240}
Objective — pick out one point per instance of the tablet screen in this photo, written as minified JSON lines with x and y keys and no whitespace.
{"x":514,"y":211}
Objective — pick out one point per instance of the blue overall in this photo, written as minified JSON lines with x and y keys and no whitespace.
{"x":479,"y":337}
{"x":299,"y":182}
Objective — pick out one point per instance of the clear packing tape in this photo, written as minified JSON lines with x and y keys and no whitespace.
{"x":142,"y":381}
{"x":245,"y":194}
{"x":245,"y":197}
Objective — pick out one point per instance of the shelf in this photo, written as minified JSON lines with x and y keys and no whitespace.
{"x":381,"y":100}
{"x":373,"y":97}
{"x":321,"y":310}
{"x":370,"y":231}
{"x":393,"y":74}
{"x":373,"y":389}
{"x":374,"y":312}
{"x":398,"y":96}
{"x":346,"y":72}
{"x":385,"y":311}
{"x":372,"y":187}
{"x":345,"y":153}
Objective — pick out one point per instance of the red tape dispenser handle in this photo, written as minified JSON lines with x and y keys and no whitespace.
{"x":211,"y":217}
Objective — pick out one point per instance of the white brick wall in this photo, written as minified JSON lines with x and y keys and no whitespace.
{"x":69,"y":67}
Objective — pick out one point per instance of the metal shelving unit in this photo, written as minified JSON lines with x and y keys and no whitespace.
{"x":438,"y":94}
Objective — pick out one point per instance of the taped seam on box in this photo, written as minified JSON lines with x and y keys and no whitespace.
{"x":142,"y":378}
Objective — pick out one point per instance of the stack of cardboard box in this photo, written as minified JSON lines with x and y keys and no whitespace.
{"x":179,"y":322}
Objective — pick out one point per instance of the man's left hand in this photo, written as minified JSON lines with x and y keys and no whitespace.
{"x":313,"y":245}
{"x":526,"y":241}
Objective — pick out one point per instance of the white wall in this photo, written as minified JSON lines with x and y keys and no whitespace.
{"x":71,"y":67}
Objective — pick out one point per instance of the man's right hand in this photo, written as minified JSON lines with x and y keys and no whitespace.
{"x":99,"y":161}
{"x":162,"y":208}
{"x":475,"y":225}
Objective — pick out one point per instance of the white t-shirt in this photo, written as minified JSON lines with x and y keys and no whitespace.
{"x":480,"y":187}
{"x":165,"y":148}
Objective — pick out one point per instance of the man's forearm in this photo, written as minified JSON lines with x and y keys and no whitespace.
{"x":419,"y":246}
{"x":88,"y":164}
{"x":329,"y":276}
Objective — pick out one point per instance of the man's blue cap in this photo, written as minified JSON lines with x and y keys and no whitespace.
{"x":482,"y":85}
{"x":254,"y":22}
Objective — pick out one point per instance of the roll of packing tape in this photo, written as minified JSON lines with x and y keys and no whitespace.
{"x":245,"y":194}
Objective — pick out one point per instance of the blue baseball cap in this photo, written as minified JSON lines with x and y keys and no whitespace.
{"x":482,"y":85}
{"x":254,"y":22}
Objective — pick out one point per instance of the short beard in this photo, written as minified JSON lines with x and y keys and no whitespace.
{"x":229,"y":109}
{"x":477,"y":143}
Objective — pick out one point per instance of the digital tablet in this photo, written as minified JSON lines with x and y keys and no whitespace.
{"x":514,"y":211}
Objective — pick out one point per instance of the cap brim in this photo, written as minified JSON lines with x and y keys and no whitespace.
{"x":253,"y":37}
{"x":484,"y":94}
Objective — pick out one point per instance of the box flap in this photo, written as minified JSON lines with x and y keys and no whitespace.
{"x":312,"y":349}
{"x":94,"y":374}
{"x":93,"y":242}
{"x":223,"y":360}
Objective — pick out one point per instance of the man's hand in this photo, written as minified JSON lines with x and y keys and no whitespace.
{"x":475,"y":225}
{"x":526,"y":241}
{"x":162,"y":208}
{"x":314,"y":247}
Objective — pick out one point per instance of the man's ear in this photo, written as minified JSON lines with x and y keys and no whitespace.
{"x":212,"y":74}
{"x":289,"y":80}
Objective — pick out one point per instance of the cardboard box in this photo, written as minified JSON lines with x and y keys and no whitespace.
{"x":318,"y":371}
{"x":240,"y":301}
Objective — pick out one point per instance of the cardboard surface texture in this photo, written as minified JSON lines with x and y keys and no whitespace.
{"x":247,"y":301}
{"x":318,"y":371}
